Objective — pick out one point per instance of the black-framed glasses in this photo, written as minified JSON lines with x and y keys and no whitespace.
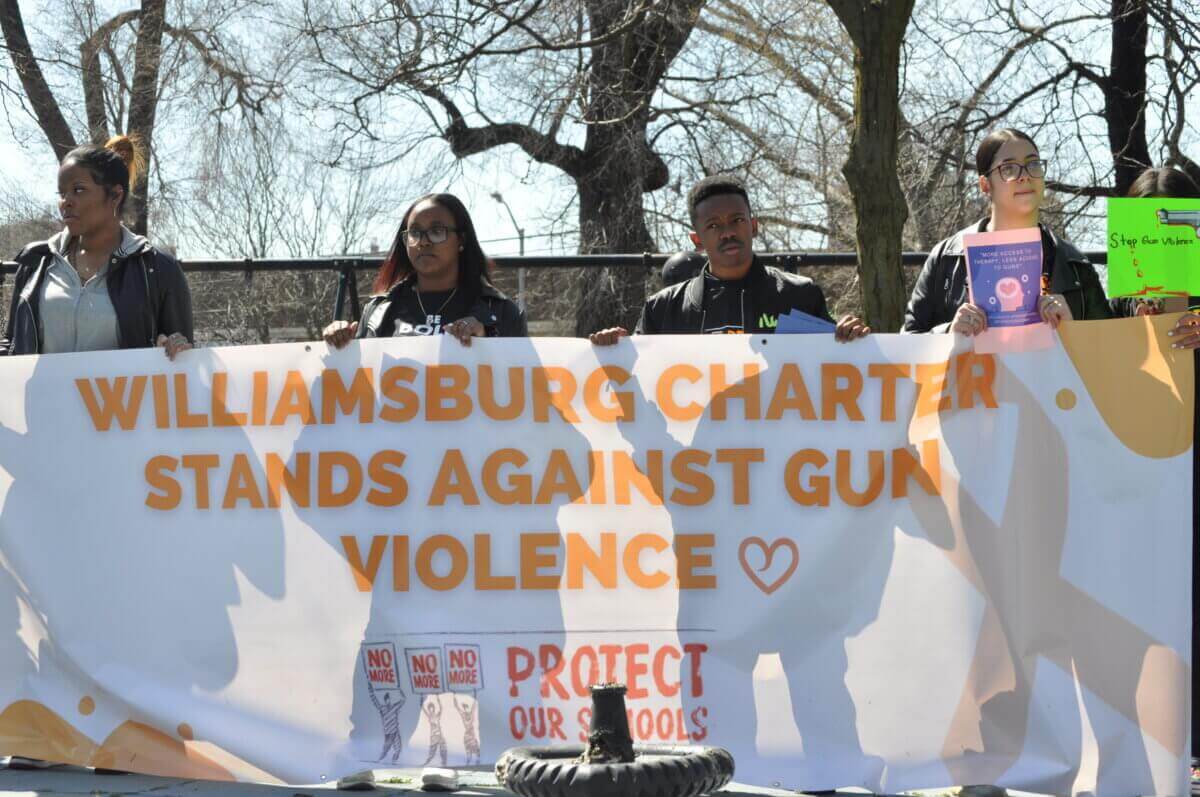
{"x":1010,"y":172}
{"x":435,"y":235}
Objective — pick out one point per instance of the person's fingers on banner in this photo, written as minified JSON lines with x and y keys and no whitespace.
{"x":849,"y":328}
{"x":466,"y":328}
{"x":970,"y":320}
{"x":608,"y":337}
{"x":173,"y":343}
{"x":339,"y":333}
{"x":1053,"y":309}
{"x":1186,"y":334}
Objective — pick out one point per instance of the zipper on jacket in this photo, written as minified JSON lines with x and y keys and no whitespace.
{"x":149,"y":302}
{"x":37,"y":328}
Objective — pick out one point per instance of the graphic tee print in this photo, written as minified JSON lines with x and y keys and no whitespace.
{"x":428,"y":316}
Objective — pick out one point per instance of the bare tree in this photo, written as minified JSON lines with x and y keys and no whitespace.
{"x":122,"y":86}
{"x":835,"y":94}
{"x":261,"y":192}
{"x":1113,"y":74}
{"x":571,"y":84}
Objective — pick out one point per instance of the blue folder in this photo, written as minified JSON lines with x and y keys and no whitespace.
{"x":801,"y":323}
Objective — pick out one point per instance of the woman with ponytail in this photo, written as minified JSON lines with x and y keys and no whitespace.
{"x":434,"y":281}
{"x":1012,"y":177}
{"x":96,"y":285}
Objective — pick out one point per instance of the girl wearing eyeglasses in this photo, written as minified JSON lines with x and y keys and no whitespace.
{"x":434,"y":281}
{"x":1012,"y":175}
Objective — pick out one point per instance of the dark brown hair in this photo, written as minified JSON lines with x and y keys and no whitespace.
{"x":992,"y":143}
{"x":118,"y":162}
{"x":714,"y":185}
{"x":472,"y":262}
{"x":1164,"y":182}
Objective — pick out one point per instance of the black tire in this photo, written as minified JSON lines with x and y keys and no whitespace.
{"x":658,"y":771}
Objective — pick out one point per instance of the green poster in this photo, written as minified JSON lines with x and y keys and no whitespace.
{"x":1154,"y":247}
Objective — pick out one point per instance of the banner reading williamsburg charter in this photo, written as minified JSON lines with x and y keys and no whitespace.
{"x":888,"y":564}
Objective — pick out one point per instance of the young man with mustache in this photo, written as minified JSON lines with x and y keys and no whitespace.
{"x":734,"y":292}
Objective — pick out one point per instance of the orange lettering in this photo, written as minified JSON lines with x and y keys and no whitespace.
{"x":484,"y":580}
{"x":747,"y":391}
{"x":364,"y":573}
{"x":593,"y":388}
{"x":293,"y":400}
{"x":327,"y":462}
{"x":446,"y":396}
{"x":931,"y":384}
{"x":972,"y":382}
{"x":835,"y":394}
{"x":682,"y":471}
{"x":295,"y":482}
{"x":560,"y":398}
{"x":633,"y":564}
{"x":453,"y":478}
{"x":740,"y":458}
{"x":689,"y":558}
{"x":817,"y":491}
{"x":533,"y":561}
{"x":487,"y":394}
{"x":927,"y":472}
{"x":113,"y":404}
{"x":383,"y":470}
{"x":392,"y":389}
{"x":790,"y":394}
{"x":221,"y":416}
{"x":156,"y":476}
{"x":336,"y":396}
{"x":846,"y":490}
{"x":200,"y":465}
{"x":665,"y":392}
{"x":458,"y":562}
{"x":241,"y":485}
{"x":558,"y":478}
{"x":580,"y":555}
{"x":626,"y":473}
{"x":519,"y":488}
{"x":888,"y":374}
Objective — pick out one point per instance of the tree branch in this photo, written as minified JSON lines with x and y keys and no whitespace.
{"x":465,"y":140}
{"x":45,"y":106}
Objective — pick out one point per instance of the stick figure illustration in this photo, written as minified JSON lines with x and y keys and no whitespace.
{"x":389,"y":715}
{"x":466,"y":710}
{"x":437,"y":740}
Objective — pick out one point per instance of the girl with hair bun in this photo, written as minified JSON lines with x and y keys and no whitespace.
{"x":434,"y":281}
{"x":1012,"y":176}
{"x":96,"y":285}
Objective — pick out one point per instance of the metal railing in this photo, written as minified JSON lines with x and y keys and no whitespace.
{"x":347,"y":297}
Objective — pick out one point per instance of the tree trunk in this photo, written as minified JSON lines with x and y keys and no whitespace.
{"x":616,"y":165}
{"x":877,"y":29}
{"x":1125,"y":97}
{"x":45,"y":106}
{"x":611,"y":219}
{"x":92,"y":76}
{"x":143,"y":104}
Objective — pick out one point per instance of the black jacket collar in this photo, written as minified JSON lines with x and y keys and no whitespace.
{"x":694,"y":292}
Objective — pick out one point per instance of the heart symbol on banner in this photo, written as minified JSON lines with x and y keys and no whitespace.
{"x":769,"y":555}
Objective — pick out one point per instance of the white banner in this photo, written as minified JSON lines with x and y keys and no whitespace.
{"x":889,"y":564}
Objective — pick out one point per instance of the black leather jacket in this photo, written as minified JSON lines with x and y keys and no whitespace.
{"x":770,"y":292}
{"x":148,"y":291}
{"x":500,"y":316}
{"x":942,"y":285}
